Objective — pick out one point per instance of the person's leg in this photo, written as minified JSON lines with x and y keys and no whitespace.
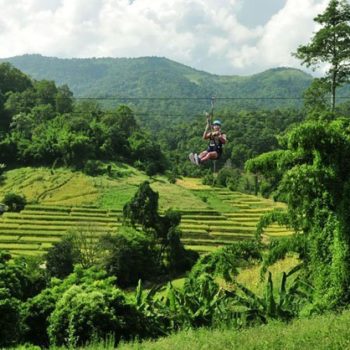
{"x":203,"y":154}
{"x":198,"y":158}
{"x":210,"y":155}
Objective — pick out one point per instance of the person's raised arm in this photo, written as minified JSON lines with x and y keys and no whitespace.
{"x":206,"y":134}
{"x":223,"y":138}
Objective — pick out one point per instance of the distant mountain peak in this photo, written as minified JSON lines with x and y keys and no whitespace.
{"x":153,"y":76}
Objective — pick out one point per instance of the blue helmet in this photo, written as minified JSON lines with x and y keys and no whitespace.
{"x":217,"y":122}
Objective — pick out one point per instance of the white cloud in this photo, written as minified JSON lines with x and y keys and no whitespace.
{"x":290,"y":27}
{"x":205,"y":34}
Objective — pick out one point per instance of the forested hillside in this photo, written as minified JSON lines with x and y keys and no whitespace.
{"x":140,"y":78}
{"x":40,"y":124}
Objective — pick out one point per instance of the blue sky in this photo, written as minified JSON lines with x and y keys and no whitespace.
{"x":254,"y":12}
{"x":231,"y":37}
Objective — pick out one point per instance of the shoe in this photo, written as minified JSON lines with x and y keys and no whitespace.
{"x":191,"y":158}
{"x":197,"y":159}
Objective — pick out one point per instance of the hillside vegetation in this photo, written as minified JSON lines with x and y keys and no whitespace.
{"x":43,"y":124}
{"x":163,"y":78}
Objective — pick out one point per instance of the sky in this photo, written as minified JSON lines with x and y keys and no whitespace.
{"x":226,"y":37}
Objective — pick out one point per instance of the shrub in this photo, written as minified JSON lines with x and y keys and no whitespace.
{"x":284,"y":305}
{"x":171,"y":176}
{"x":36,"y":314}
{"x":10,"y":320}
{"x":93,"y":167}
{"x":14,"y":202}
{"x":85,"y":313}
{"x":228,"y":176}
{"x":37,"y":310}
{"x":60,"y":258}
{"x":200,"y":303}
{"x":130,"y":256}
{"x":226,"y":261}
{"x":20,"y":278}
{"x":209,"y":179}
{"x":176,"y":258}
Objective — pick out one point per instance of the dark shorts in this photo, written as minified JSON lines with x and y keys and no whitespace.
{"x":215,"y":149}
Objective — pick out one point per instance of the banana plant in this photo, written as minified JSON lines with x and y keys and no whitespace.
{"x":198,"y":303}
{"x":283,"y":306}
{"x":155,"y":322}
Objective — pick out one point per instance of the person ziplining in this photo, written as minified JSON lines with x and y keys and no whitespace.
{"x":216,"y":139}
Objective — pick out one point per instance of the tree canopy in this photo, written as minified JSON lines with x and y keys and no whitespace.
{"x":330,"y":44}
{"x":312,"y":172}
{"x":43,"y":124}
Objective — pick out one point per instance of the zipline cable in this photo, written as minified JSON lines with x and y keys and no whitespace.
{"x":117,"y":98}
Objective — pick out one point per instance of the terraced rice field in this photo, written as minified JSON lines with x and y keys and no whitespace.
{"x":205,"y":230}
{"x":37,"y":227}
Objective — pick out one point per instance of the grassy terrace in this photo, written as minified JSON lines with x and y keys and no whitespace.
{"x":34,"y":229}
{"x":37,"y":227}
{"x":235,"y":219}
{"x":73,"y":201}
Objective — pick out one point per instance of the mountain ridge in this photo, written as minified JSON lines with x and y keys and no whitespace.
{"x":134,"y":80}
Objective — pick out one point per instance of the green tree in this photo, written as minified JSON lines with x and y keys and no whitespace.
{"x":42,"y":113}
{"x":146,"y":152}
{"x":52,"y":141}
{"x":143,"y":208}
{"x":88,"y":312}
{"x":23,"y":124}
{"x":19,"y":280}
{"x":46,"y":92}
{"x":124,"y":118}
{"x":129,"y":256}
{"x":330,"y":44}
{"x":37,"y":310}
{"x":20,"y":102}
{"x":21,"y":277}
{"x":312,"y":175}
{"x":11,"y":326}
{"x":200,"y":303}
{"x":60,"y":258}
{"x":15,"y":202}
{"x":36,"y":317}
{"x":64,"y":100}
{"x":12,"y":79}
{"x":317,"y":97}
{"x":142,"y":211}
{"x":2,"y":170}
{"x":227,"y":176}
